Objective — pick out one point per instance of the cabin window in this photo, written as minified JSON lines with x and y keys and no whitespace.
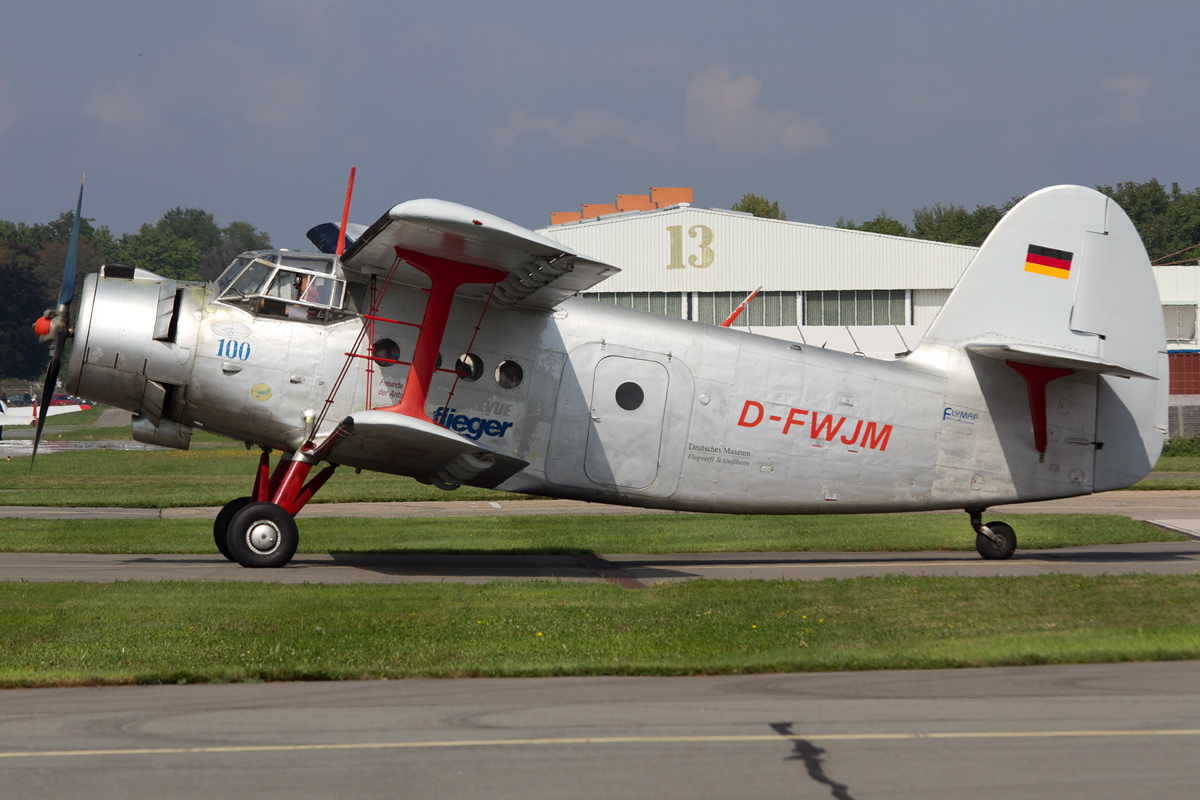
{"x":469,"y":367}
{"x":386,"y":353}
{"x":630,"y":396}
{"x":509,"y":375}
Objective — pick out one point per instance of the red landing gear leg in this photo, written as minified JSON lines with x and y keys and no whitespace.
{"x":259,"y":530}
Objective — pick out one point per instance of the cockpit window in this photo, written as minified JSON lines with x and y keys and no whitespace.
{"x":231,"y":272}
{"x":309,"y":263}
{"x":251,"y":279}
{"x":301,"y":288}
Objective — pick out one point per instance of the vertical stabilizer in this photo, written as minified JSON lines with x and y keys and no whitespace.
{"x":1063,"y":283}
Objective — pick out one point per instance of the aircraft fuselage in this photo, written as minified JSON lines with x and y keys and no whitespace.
{"x":611,"y":405}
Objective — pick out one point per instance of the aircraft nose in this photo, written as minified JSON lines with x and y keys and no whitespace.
{"x":133,"y":342}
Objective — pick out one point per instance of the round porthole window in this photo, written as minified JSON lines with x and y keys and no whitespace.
{"x":469,"y":367}
{"x":630,"y":396}
{"x":509,"y":375}
{"x":385,"y":352}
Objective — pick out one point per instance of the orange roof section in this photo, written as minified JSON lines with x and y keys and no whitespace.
{"x":659,"y":197}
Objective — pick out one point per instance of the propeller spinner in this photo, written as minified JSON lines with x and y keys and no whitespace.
{"x":53,"y":327}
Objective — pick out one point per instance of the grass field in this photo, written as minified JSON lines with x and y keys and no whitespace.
{"x":200,"y":477}
{"x":68,"y":634}
{"x":213,"y":475}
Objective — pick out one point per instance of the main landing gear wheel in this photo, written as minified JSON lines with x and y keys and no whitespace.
{"x":221,"y":523}
{"x":262,"y":535}
{"x":993,"y":550}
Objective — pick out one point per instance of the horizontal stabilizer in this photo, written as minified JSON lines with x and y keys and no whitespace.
{"x":541,"y":271}
{"x":1049,"y":357}
{"x":383,"y":441}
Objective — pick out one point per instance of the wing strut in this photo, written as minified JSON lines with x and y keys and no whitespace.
{"x":445,"y":276}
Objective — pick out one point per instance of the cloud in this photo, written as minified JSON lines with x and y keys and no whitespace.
{"x":118,"y":109}
{"x":725,"y":113}
{"x":720,"y":112}
{"x":585,"y":126}
{"x":8,"y":109}
{"x":1132,"y":91}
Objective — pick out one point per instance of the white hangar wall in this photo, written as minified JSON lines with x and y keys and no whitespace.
{"x":834,"y":287}
{"x":680,"y":248}
{"x":701,"y":263}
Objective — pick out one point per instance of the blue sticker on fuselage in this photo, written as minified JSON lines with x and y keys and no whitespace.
{"x":474,"y":428}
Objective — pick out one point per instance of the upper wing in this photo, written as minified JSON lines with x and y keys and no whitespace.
{"x":541,"y":271}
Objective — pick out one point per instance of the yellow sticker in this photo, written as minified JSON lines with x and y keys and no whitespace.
{"x":260,"y":391}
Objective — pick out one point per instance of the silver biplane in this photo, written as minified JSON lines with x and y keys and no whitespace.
{"x":448,"y":345}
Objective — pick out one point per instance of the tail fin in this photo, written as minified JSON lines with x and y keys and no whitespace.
{"x":1064,"y":283}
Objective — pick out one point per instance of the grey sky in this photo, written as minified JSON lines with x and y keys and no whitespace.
{"x":256,"y":109}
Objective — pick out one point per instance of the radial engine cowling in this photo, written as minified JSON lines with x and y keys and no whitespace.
{"x":134,"y":343}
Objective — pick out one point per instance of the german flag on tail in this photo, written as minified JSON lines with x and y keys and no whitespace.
{"x":1046,"y":261}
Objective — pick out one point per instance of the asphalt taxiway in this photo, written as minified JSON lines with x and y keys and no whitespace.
{"x":634,"y":571}
{"x":1176,"y":510}
{"x":1076,"y":731}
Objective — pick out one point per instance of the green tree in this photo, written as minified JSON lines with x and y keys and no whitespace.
{"x":236,"y":238}
{"x":193,"y":225}
{"x":161,"y":252}
{"x":1168,"y":222}
{"x":759,"y":206}
{"x":20,"y":354}
{"x":881,"y":224}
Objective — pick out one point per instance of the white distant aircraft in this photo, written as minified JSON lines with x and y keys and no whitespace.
{"x":446,"y":344}
{"x":28,"y":415}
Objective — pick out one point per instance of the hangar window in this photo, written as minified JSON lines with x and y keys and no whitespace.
{"x":770,"y":309}
{"x":1180,"y":321}
{"x":669,"y":304}
{"x":855,"y":307}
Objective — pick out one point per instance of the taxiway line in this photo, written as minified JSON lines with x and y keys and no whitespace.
{"x":597,"y":740}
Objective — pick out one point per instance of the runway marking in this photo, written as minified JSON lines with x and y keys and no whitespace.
{"x":596,"y":740}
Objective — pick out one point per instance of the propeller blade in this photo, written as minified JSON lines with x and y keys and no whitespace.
{"x":58,"y":326}
{"x":60,"y":339}
{"x":67,"y":292}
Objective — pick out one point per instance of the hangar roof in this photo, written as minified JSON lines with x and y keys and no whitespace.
{"x":685,"y":249}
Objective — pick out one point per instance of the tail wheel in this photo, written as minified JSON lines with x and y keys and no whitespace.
{"x":996,"y":550}
{"x":221,"y":523}
{"x":262,"y":535}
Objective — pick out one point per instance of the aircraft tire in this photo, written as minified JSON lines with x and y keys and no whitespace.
{"x":221,"y":523}
{"x":989,"y":549}
{"x":262,"y":535}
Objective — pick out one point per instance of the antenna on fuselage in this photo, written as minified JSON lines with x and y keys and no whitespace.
{"x":729,"y":320}
{"x":341,"y":245}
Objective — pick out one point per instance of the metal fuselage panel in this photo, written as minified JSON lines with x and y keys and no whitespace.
{"x":720,"y":420}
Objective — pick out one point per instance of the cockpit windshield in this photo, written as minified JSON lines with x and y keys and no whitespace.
{"x":289,"y":285}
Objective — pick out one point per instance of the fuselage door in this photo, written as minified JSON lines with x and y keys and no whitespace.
{"x":629,"y":399}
